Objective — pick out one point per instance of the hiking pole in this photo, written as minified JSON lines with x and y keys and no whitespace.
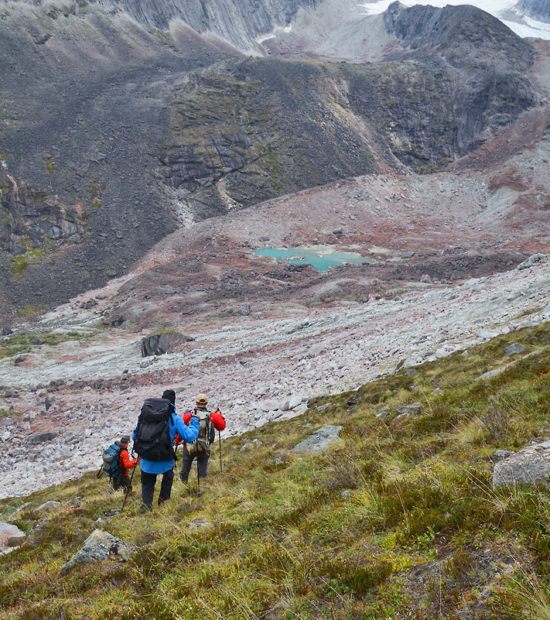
{"x":220,"y":443}
{"x":100,"y":471}
{"x":128,"y":490}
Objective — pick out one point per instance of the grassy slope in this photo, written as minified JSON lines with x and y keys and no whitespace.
{"x":398,"y":520}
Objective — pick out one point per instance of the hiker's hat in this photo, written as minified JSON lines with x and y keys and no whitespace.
{"x":169,"y":395}
{"x":125,"y":439}
{"x":201,"y":400}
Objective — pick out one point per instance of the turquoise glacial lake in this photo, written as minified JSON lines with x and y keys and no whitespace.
{"x":320,"y":257}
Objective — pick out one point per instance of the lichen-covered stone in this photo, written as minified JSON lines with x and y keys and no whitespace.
{"x":99,"y":546}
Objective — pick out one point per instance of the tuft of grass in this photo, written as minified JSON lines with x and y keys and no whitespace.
{"x":25,"y":341}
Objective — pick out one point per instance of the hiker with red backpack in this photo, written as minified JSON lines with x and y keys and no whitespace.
{"x":153,"y":437}
{"x":209,"y":423}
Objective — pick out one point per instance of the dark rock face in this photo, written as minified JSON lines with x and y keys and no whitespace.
{"x":539,"y":9}
{"x":32,"y":220}
{"x":468,"y":48}
{"x":235,"y":143}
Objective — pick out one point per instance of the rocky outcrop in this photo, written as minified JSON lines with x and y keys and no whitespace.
{"x":484,"y":56}
{"x":234,"y":143}
{"x":35,"y":221}
{"x":465,"y":36}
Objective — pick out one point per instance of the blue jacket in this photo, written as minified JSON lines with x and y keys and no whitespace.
{"x":177,"y":425}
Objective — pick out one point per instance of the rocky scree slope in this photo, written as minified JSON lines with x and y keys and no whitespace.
{"x":62,"y":404}
{"x":170,"y":128}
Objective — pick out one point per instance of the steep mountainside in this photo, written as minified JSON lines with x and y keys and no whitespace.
{"x":114,"y":134}
{"x":239,"y":23}
{"x":539,"y":9}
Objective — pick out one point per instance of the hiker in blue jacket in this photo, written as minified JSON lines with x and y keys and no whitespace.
{"x":151,"y":469}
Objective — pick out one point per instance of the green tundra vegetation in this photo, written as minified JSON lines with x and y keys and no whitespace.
{"x":24,"y":342}
{"x":399,"y":519}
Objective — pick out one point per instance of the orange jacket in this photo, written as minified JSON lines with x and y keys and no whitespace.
{"x":125,"y":463}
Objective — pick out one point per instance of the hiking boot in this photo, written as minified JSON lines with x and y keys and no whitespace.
{"x":143,"y":509}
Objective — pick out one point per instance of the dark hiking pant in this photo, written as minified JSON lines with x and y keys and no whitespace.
{"x":187,"y":461}
{"x":124,"y":482}
{"x":148,"y":487}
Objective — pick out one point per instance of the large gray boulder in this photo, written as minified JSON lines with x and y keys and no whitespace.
{"x":99,"y":546}
{"x":158,"y":344}
{"x":42,"y":437}
{"x":11,"y":537}
{"x":529,"y":466}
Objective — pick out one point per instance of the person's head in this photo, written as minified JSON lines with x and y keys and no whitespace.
{"x":125,"y":440}
{"x":169,"y":395}
{"x":201,"y":400}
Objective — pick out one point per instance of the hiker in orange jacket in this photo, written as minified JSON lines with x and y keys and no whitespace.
{"x":125,"y":463}
{"x":209,"y":423}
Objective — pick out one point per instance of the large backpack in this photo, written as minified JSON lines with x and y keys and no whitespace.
{"x":152,"y":435}
{"x":207,"y":435}
{"x":111,"y":456}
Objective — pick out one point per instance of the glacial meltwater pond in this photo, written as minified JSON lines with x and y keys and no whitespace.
{"x":320,"y":257}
